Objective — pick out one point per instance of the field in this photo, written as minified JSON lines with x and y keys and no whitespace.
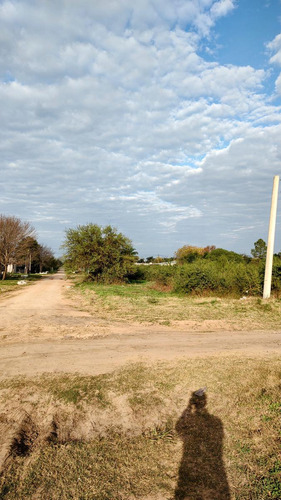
{"x":145,"y":303}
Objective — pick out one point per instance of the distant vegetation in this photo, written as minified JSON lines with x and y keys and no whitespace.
{"x":20,"y":250}
{"x":106,"y":256}
{"x":215,"y":271}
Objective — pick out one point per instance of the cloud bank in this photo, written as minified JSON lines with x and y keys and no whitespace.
{"x":112,"y":114}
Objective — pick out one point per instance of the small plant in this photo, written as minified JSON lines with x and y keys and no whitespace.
{"x":152,"y":300}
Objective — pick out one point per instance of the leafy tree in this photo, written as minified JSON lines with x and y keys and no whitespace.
{"x":102,"y":253}
{"x":46,"y":259}
{"x":27,"y":253}
{"x":222,"y":255}
{"x":189,"y":253}
{"x":158,"y":260}
{"x":13,"y":232}
{"x":35,"y":257}
{"x":150,"y":259}
{"x":259,"y":250}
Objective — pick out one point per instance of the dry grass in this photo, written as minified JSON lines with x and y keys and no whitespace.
{"x":143,"y":440}
{"x":144,"y":304}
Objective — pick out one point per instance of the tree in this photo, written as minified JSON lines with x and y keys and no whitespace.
{"x":27,"y":254}
{"x":222,"y":255}
{"x":45,"y":258}
{"x":259,"y":250}
{"x":158,"y":260}
{"x":189,"y":253}
{"x":150,"y":259}
{"x":35,"y":257}
{"x":102,"y":253}
{"x":13,"y":231}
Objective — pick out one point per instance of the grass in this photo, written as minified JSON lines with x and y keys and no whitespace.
{"x":144,"y":303}
{"x":11,"y":283}
{"x":94,"y":470}
{"x":8,"y":286}
{"x":148,"y":441}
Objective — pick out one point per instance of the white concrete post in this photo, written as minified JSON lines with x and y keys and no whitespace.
{"x":270,"y":240}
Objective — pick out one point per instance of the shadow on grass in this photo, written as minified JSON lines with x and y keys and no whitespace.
{"x":202,"y":474}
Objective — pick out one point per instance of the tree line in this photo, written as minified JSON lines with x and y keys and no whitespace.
{"x":20,"y":249}
{"x":105,"y":255}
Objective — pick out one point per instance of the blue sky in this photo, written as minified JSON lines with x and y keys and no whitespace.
{"x":241,"y":36}
{"x":161,"y":118}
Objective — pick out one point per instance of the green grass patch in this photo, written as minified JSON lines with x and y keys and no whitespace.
{"x":8,"y":286}
{"x":132,"y":290}
{"x":11,"y":283}
{"x":77,"y":389}
{"x":16,"y":277}
{"x":7,"y":283}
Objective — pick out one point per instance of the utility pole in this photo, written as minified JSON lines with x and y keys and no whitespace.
{"x":270,"y":240}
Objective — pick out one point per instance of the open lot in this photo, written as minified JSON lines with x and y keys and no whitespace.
{"x":96,"y":385}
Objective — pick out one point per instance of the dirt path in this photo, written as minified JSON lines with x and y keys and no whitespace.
{"x":41,"y":311}
{"x":42,"y":331}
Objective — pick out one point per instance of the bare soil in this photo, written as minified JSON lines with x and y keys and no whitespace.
{"x":44,"y":330}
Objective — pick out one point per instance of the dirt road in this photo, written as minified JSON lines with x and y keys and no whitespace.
{"x":43,"y":331}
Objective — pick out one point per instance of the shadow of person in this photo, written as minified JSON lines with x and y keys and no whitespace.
{"x":202,"y":474}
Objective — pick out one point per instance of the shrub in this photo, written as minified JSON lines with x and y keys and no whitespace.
{"x":276,"y":275}
{"x":205,"y":276}
{"x":222,"y":255}
{"x":196,"y":277}
{"x":189,"y":253}
{"x":162,"y":275}
{"x":247,"y":279}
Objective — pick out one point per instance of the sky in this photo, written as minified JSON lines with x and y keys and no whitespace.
{"x":161,"y":118}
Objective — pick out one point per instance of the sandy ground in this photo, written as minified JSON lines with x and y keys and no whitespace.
{"x":44,"y":331}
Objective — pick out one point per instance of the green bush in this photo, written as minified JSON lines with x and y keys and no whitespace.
{"x":162,"y":275}
{"x":276,"y":275}
{"x":206,"y":276}
{"x":227,"y":274}
{"x":222,"y":255}
{"x":196,"y":277}
{"x":247,"y":279}
{"x":103,"y":254}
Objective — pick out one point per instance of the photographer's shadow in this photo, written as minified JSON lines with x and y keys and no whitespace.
{"x":202,"y":474}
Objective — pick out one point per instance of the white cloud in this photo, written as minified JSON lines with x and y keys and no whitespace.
{"x":110,"y":114}
{"x":221,"y":8}
{"x":275,"y":46}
